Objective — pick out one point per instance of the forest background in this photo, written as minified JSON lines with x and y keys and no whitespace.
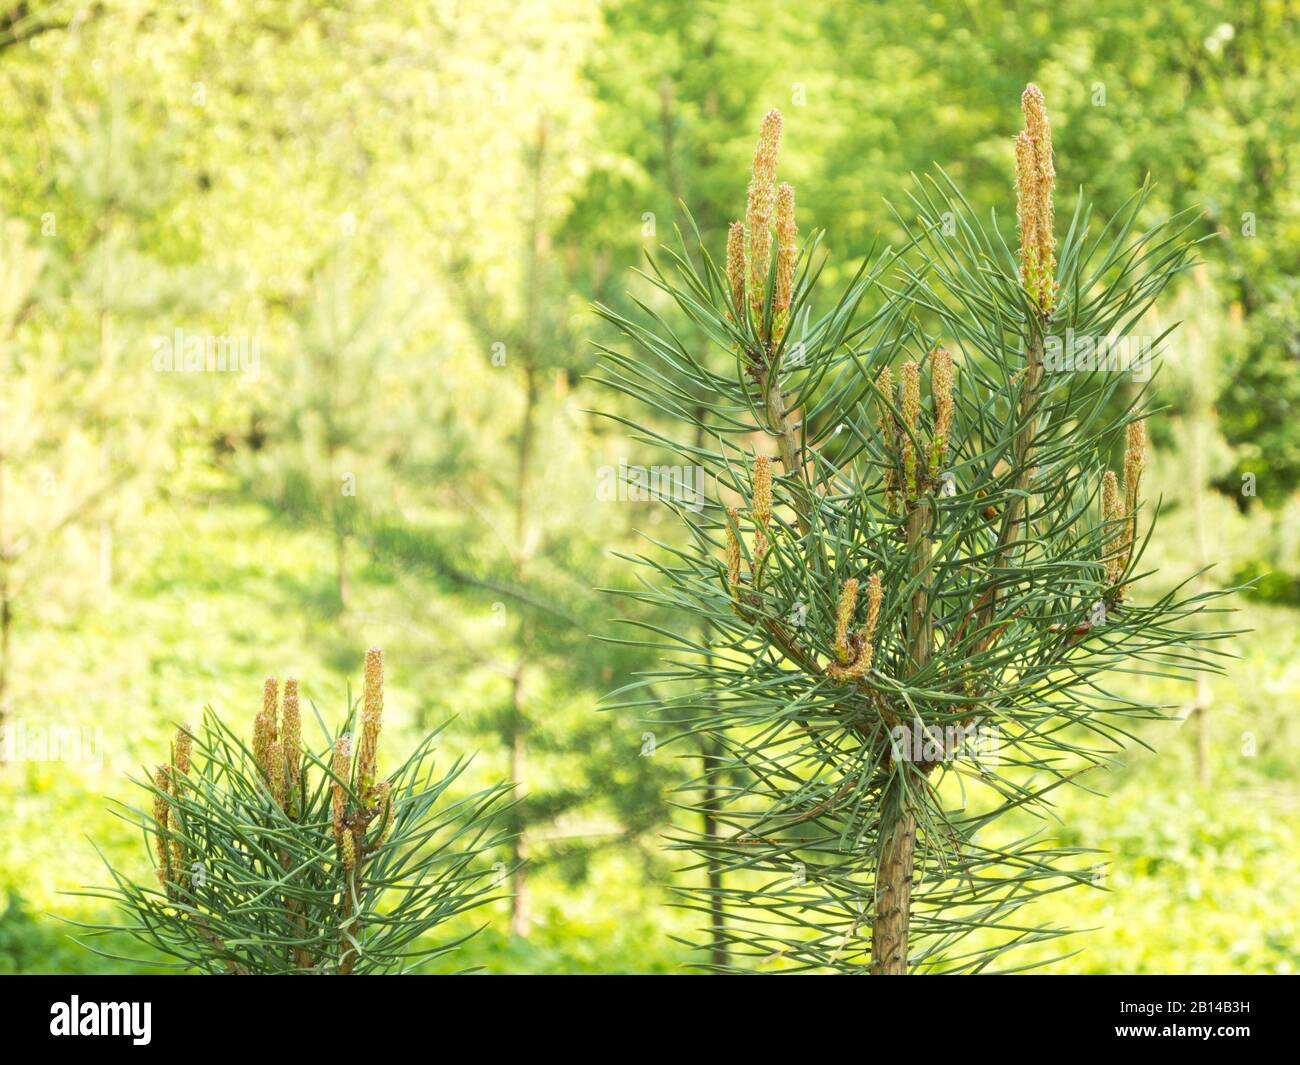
{"x":394,"y":216}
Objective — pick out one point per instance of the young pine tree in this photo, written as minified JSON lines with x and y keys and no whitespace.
{"x":922,"y":572}
{"x":274,"y":858}
{"x":341,"y":422}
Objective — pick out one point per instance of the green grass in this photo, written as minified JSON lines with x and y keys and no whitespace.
{"x":223,"y":594}
{"x":1199,"y":880}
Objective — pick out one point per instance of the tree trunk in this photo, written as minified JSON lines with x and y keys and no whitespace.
{"x":1201,"y":714}
{"x":897,"y":840}
{"x":710,"y":754}
{"x":518,"y":732}
{"x":520,"y":910}
{"x":1200,"y":426}
{"x":893,"y":892}
{"x":341,"y":553}
{"x":718,"y":954}
{"x":105,"y":526}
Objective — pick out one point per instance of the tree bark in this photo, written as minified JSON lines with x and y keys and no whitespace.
{"x":897,"y":841}
{"x":518,"y":731}
{"x":889,"y":932}
{"x":718,"y":954}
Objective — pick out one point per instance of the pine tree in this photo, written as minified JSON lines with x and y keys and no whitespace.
{"x":340,"y":423}
{"x":273,"y":857}
{"x":920,"y":575}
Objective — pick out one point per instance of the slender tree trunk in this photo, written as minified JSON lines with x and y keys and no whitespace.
{"x":1202,"y":731}
{"x":710,"y":754}
{"x":341,"y":555}
{"x":106,"y":358}
{"x":894,"y":890}
{"x":920,"y":629}
{"x":518,"y":729}
{"x":520,"y":899}
{"x":786,"y":444}
{"x":710,"y":750}
{"x":718,"y":954}
{"x":517,"y":732}
{"x":1199,"y":422}
{"x":1200,"y":711}
{"x":897,"y":854}
{"x":672,"y":172}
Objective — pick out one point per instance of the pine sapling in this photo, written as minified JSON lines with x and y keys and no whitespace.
{"x":273,"y":858}
{"x":920,"y":571}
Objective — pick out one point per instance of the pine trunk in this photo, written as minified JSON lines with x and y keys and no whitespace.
{"x":896,"y":861}
{"x":893,"y":894}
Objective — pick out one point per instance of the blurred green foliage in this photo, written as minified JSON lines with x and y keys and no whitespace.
{"x":1199,"y":881}
{"x":488,"y":169}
